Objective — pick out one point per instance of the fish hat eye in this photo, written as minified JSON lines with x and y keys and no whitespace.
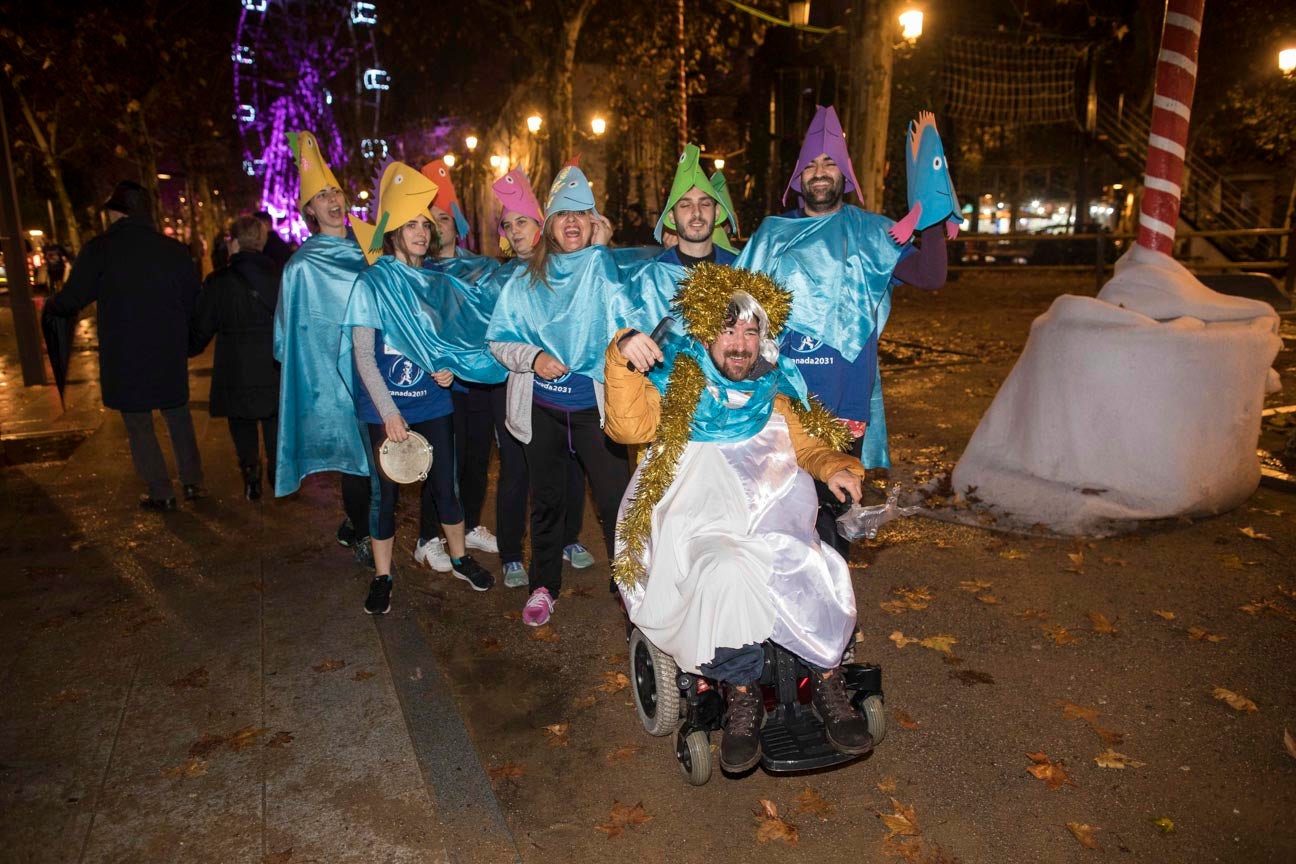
{"x":937,"y":163}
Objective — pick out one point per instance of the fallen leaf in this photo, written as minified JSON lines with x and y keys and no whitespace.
{"x":1201,"y":634}
{"x":988,"y":599}
{"x":206,"y":744}
{"x":512,"y":616}
{"x":1077,"y":562}
{"x":1071,"y":711}
{"x":1109,"y":736}
{"x":489,"y":645}
{"x":362,"y":676}
{"x":195,"y":678}
{"x":894,"y":607}
{"x":278,"y":857}
{"x":66,"y":696}
{"x":900,"y":639}
{"x":1253,"y":534}
{"x":1164,"y":615}
{"x":1235,"y":700}
{"x":245,"y":737}
{"x":1109,"y":758}
{"x":939,"y":643}
{"x":1231,"y":562}
{"x":905,"y":721}
{"x":557,"y":734}
{"x":1013,"y":555}
{"x":1033,"y":614}
{"x":617,"y":659}
{"x":921,"y":594}
{"x":1164,"y":825}
{"x":1052,"y":773}
{"x":280,"y":739}
{"x":623,"y":753}
{"x":1083,"y":833}
{"x":506,"y":771}
{"x":1114,"y":562}
{"x":544,"y":634}
{"x":1060,"y":635}
{"x":974,"y":586}
{"x":812,"y":803}
{"x":329,"y":665}
{"x":886,"y":784}
{"x":903,"y":822}
{"x":769,"y":826}
{"x":191,"y":767}
{"x":580,"y":703}
{"x":581,"y":591}
{"x":613,"y":682}
{"x":943,"y":544}
{"x":1101,"y":624}
{"x":1265,"y":604}
{"x":1289,"y":743}
{"x":621,"y":816}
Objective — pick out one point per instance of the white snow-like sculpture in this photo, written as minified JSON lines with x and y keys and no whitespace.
{"x":1142,"y":403}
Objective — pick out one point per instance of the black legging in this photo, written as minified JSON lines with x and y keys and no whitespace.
{"x":439,"y":503}
{"x":555,"y":436}
{"x":244,"y":433}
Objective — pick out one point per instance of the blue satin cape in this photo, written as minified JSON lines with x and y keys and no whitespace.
{"x":651,"y":285}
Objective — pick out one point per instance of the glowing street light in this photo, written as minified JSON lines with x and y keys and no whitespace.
{"x":911,"y":25}
{"x":1287,"y":60}
{"x":719,"y":163}
{"x":471,"y":142}
{"x":449,"y":160}
{"x":363,"y":195}
{"x":598,"y":125}
{"x":533,"y":123}
{"x":799,"y":13}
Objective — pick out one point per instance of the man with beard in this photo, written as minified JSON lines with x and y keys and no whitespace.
{"x":715,"y":549}
{"x":694,"y":210}
{"x":841,"y":264}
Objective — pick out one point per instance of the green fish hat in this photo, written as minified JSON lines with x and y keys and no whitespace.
{"x":687,"y":175}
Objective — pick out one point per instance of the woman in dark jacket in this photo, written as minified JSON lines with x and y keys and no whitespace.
{"x":237,"y":307}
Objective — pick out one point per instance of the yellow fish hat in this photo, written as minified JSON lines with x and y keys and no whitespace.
{"x":403,"y":193}
{"x":311,"y":167}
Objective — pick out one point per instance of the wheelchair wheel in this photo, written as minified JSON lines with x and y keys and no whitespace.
{"x":695,"y":757}
{"x":656,"y":695}
{"x":875,"y":715}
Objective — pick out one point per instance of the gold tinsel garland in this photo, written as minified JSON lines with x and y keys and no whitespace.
{"x":704,"y":296}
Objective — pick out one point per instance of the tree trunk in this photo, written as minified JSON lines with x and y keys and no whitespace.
{"x":561,"y":121}
{"x":681,"y":130}
{"x":45,"y":144}
{"x":870,"y":98}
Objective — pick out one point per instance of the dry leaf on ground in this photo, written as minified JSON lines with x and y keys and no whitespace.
{"x":894,"y":607}
{"x":1164,"y":825}
{"x":1100,"y":624}
{"x":246,"y":737}
{"x":65,"y":696}
{"x":1077,"y":562}
{"x":1109,"y":758}
{"x":905,"y":721}
{"x":1052,"y":773}
{"x":1013,"y":554}
{"x":974,"y":586}
{"x":770,"y":827}
{"x":1201,"y":634}
{"x":1163,"y":615}
{"x":812,"y":803}
{"x":623,"y":753}
{"x":513,"y":616}
{"x":903,"y":822}
{"x":544,"y":634}
{"x":329,"y":665}
{"x":1109,"y":736}
{"x":616,"y":659}
{"x":1061,"y":635}
{"x":1033,"y":614}
{"x":1289,"y":743}
{"x":1071,"y":711}
{"x":556,"y":734}
{"x":580,"y":591}
{"x":195,"y":678}
{"x":623,"y":815}
{"x":580,"y":703}
{"x":613,"y":682}
{"x":489,"y":645}
{"x":1083,"y":833}
{"x":191,"y":767}
{"x":1114,"y":562}
{"x":362,"y":676}
{"x":900,"y":639}
{"x":939,"y":643}
{"x":206,"y":744}
{"x":886,"y":784}
{"x":1253,"y":534}
{"x":506,"y":771}
{"x":988,"y":599}
{"x":943,"y":544}
{"x":1235,"y":700}
{"x":280,"y":739}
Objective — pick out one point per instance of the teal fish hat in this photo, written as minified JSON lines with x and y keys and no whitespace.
{"x":570,"y":192}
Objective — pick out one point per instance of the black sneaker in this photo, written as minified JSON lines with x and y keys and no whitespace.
{"x":346,"y":533}
{"x":473,"y":573}
{"x":159,"y":504}
{"x":847,"y":731}
{"x":379,"y":600}
{"x":740,"y":746}
{"x":362,"y":549}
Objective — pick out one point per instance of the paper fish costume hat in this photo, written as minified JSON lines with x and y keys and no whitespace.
{"x":721,"y":186}
{"x":439,"y":173}
{"x":311,"y":167}
{"x":513,"y":191}
{"x":570,"y":191}
{"x":825,"y":137}
{"x":688,"y":175}
{"x":403,"y":193}
{"x":931,"y":191}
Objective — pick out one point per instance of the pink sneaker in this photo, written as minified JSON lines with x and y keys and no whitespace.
{"x":538,"y":608}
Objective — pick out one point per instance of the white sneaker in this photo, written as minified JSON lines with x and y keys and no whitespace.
{"x":433,"y":554}
{"x":481,"y":538}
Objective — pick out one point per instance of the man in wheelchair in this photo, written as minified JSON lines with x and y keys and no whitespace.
{"x":716,"y":545}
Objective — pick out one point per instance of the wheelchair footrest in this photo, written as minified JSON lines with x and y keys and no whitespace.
{"x":793,"y":739}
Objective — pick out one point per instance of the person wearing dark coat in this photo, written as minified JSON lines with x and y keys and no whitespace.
{"x":237,"y":307}
{"x":146,"y":287}
{"x":275,"y":246}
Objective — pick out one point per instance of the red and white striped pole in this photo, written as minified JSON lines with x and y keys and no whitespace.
{"x":1171,"y":109}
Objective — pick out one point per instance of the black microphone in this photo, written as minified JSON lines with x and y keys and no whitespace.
{"x":658,"y":335}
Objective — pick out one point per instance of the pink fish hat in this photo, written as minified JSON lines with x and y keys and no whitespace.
{"x":513,"y":191}
{"x":824,"y":138}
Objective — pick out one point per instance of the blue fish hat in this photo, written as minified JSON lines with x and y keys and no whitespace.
{"x":570,"y":191}
{"x":932,"y":198}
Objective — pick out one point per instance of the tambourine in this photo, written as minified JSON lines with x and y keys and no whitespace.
{"x":407,"y":461}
